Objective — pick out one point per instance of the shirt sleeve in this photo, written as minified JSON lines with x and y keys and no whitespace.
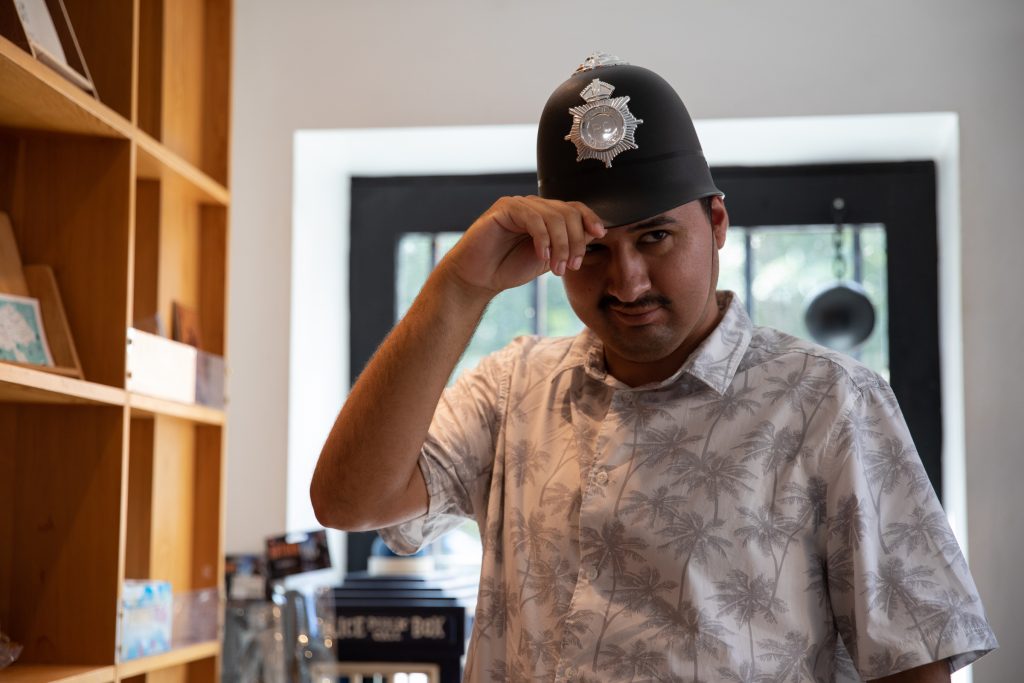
{"x":900,"y":589}
{"x":458,"y":455}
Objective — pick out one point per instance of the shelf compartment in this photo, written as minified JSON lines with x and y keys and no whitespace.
{"x":189,"y":654}
{"x":174,"y":510}
{"x":175,"y":525}
{"x":180,"y":255}
{"x":104,"y":31}
{"x":184,"y":77}
{"x":69,"y":198}
{"x":60,"y":512}
{"x":40,"y":673}
{"x":38,"y":98}
{"x":20,"y":384}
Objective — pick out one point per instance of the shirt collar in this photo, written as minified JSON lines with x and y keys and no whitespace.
{"x":713,"y":362}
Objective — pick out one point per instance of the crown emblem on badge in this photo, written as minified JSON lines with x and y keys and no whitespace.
{"x":604,"y":127}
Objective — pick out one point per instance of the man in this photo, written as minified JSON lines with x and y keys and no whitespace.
{"x":674,"y":494}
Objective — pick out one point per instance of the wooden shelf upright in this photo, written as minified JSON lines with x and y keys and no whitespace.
{"x":126,"y":198}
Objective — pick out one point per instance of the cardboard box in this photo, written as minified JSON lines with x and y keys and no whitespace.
{"x":160,"y":367}
{"x":167,"y":369}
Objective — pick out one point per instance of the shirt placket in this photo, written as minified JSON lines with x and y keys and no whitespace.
{"x":592,"y":511}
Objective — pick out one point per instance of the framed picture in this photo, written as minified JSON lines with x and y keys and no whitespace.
{"x":43,"y":29}
{"x":22,"y":336}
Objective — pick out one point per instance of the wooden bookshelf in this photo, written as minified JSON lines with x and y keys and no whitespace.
{"x":126,"y":198}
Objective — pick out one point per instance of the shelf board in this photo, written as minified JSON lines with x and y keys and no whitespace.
{"x":177,"y":656}
{"x":143,"y":405}
{"x":20,"y":384}
{"x":156,"y":160}
{"x":49,"y":673}
{"x":37,"y":97}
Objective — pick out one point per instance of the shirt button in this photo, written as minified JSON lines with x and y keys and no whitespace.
{"x":571,"y":672}
{"x":602,"y":477}
{"x":592,"y":573}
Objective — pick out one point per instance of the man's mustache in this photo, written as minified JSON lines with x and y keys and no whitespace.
{"x":643,"y":302}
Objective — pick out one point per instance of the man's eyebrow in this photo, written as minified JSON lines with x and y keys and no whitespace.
{"x":652,"y":223}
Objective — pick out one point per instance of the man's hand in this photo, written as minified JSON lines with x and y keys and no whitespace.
{"x":519,"y":238}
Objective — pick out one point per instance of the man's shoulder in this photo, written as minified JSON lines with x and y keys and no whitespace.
{"x":782,"y":353}
{"x":540,"y":354}
{"x":537,"y":345}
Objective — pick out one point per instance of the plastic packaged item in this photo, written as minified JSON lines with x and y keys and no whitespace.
{"x":253,"y":643}
{"x":146,"y":618}
{"x":196,"y":617}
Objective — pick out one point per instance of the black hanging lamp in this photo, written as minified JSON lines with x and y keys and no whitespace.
{"x":840,"y":315}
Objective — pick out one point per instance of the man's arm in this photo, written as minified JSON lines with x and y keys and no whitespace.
{"x":367,"y":475}
{"x":936,"y":672}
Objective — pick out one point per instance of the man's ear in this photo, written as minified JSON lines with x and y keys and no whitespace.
{"x":719,"y":220}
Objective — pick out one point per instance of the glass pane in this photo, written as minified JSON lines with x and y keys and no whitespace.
{"x":510,"y":315}
{"x":559,"y":319}
{"x":789,"y":265}
{"x":445,"y":241}
{"x":732,"y":259}
{"x":874,"y":264}
{"x":412,"y":266}
{"x":792,"y":263}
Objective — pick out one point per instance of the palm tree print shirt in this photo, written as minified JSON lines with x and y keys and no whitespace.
{"x":761,"y":515}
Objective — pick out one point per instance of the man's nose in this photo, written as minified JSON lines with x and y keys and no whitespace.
{"x":627,"y":277}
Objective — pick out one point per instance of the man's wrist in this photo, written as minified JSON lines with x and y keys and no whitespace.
{"x":454,"y":287}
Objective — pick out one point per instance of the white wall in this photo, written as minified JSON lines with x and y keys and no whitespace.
{"x":339,"y":64}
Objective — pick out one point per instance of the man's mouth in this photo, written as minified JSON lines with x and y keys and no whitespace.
{"x":633,"y":313}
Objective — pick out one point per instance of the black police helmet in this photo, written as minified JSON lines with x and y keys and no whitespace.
{"x":625,"y":146}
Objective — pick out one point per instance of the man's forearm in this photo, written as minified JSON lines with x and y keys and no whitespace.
{"x":367,"y":474}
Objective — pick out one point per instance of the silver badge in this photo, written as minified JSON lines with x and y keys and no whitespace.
{"x":604,"y":127}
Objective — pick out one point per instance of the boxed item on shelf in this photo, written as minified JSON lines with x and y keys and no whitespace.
{"x":245,"y":576}
{"x":173,"y":370}
{"x":296,"y":553}
{"x":160,"y":367}
{"x":144,"y":627}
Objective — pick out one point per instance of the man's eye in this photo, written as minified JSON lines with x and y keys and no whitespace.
{"x":592,"y":247}
{"x":653,"y":236}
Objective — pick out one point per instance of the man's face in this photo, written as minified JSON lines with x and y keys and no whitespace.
{"x":648,"y":290}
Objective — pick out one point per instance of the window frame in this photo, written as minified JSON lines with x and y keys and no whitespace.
{"x":902,"y":196}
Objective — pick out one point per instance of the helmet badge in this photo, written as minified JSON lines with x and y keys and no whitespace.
{"x":604,"y":127}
